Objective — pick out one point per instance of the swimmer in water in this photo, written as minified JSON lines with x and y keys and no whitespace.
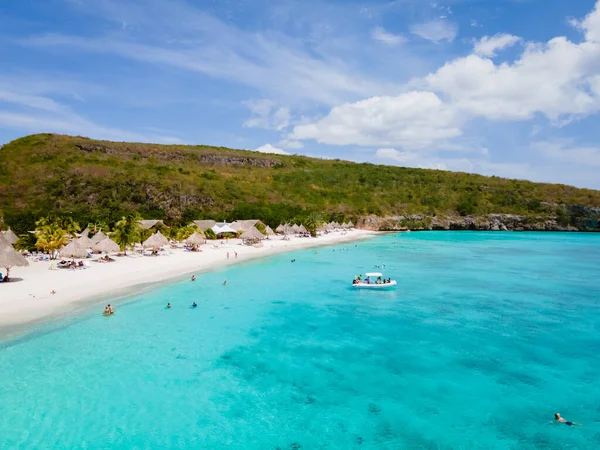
{"x":193,"y":277}
{"x":560,"y":419}
{"x":225,"y":283}
{"x":107,"y":311}
{"x":168,"y":305}
{"x":194,"y":305}
{"x":111,"y":309}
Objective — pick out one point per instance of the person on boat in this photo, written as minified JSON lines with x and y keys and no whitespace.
{"x":168,"y":305}
{"x":379,"y":280}
{"x":560,"y":419}
{"x":194,"y":305}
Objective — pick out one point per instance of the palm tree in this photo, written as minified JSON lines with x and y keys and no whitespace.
{"x":126,"y":231}
{"x":185,"y":232}
{"x":50,"y":236}
{"x":313,"y":222}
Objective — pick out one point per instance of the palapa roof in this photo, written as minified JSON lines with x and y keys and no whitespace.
{"x":280,"y":229}
{"x":73,"y":250}
{"x":84,"y":233}
{"x":147,"y":224}
{"x":252,"y":234}
{"x":107,"y":245}
{"x":295,"y":228}
{"x":244,"y":225}
{"x":85,"y":242}
{"x":302,"y":229}
{"x":157,"y":240}
{"x":9,"y":257}
{"x":10,"y":236}
{"x":195,"y":239}
{"x":99,"y":236}
{"x":204,"y":224}
{"x":269,"y":231}
{"x":350,"y":224}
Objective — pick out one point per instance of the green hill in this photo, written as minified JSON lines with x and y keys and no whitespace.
{"x":99,"y":180}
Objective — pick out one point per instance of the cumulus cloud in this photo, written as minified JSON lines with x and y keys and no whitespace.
{"x":489,"y":45}
{"x":413,"y":119}
{"x":379,"y":34}
{"x":436,"y":30}
{"x":566,"y":152}
{"x":266,"y":115}
{"x":268,"y":148}
{"x":286,"y":143}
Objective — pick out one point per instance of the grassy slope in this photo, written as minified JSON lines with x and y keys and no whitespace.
{"x":47,"y":173}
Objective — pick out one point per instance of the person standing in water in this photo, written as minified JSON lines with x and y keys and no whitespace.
{"x":560,"y":419}
{"x":168,"y":305}
{"x":193,"y":277}
{"x":194,"y":305}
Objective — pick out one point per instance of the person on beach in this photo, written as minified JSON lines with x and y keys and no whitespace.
{"x":560,"y":419}
{"x":168,"y":305}
{"x":52,"y":292}
{"x":235,"y":255}
{"x":193,"y":277}
{"x":227,"y":255}
{"x":194,"y":305}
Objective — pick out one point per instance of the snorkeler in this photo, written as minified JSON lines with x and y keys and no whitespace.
{"x":194,"y":305}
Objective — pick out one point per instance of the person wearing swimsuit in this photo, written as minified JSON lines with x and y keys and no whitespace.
{"x":560,"y":419}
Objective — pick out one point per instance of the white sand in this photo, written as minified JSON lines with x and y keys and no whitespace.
{"x":27,"y":299}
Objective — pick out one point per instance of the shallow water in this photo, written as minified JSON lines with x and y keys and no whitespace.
{"x":485,"y":338}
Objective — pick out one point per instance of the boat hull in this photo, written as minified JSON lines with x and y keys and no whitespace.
{"x":375,"y":286}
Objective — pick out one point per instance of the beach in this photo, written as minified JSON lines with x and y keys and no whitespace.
{"x":29,"y":299}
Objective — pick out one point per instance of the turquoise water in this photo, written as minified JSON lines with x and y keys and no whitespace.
{"x":485,"y":338}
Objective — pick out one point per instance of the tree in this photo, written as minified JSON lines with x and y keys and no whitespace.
{"x":210,"y":234}
{"x":50,"y":236}
{"x":185,"y":232}
{"x":313,"y":222}
{"x":127,"y":231}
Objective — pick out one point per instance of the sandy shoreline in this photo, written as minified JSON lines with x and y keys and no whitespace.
{"x":27,"y":300}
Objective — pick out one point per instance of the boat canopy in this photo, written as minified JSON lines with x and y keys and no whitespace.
{"x":373,"y":274}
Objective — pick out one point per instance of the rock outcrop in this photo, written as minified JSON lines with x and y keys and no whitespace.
{"x":579,"y":221}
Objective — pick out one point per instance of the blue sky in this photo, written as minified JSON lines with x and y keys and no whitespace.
{"x":498,"y":87}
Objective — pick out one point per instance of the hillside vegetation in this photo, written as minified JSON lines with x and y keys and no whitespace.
{"x":99,"y":180}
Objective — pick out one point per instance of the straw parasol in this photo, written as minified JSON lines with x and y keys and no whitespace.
{"x":10,"y":236}
{"x":295,"y":229}
{"x":302,"y":229}
{"x":195,"y":239}
{"x":73,"y":250}
{"x":280,"y":229}
{"x":269,"y":231}
{"x":99,"y":236}
{"x":156,"y":241}
{"x":9,"y":257}
{"x":252,"y":234}
{"x":85,"y":233}
{"x":107,"y":245}
{"x":85,"y":242}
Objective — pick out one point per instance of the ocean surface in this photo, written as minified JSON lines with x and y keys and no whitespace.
{"x":486,"y":336}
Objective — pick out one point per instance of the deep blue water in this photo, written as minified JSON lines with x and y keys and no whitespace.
{"x":485,"y":338}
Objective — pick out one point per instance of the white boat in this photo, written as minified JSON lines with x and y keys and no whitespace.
{"x":373,"y":280}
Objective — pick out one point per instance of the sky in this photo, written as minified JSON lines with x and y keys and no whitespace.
{"x":498,"y":87}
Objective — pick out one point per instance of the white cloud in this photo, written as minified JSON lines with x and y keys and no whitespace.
{"x":489,"y":45}
{"x":266,"y":115}
{"x":567,"y":153}
{"x":268,"y":148}
{"x":436,"y":30}
{"x":379,"y":34}
{"x":414,"y":119}
{"x":286,"y":143}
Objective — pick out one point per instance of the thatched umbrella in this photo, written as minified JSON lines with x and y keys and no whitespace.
{"x":302,"y":229}
{"x":252,"y":235}
{"x":269,"y":231}
{"x":99,"y":236}
{"x":107,"y":245}
{"x":295,"y":228}
{"x":156,"y":241}
{"x":195,"y":239}
{"x":85,"y":233}
{"x":350,"y":224}
{"x":10,"y":236}
{"x":85,"y":242}
{"x":9,"y":257}
{"x":73,"y":250}
{"x":280,"y":229}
